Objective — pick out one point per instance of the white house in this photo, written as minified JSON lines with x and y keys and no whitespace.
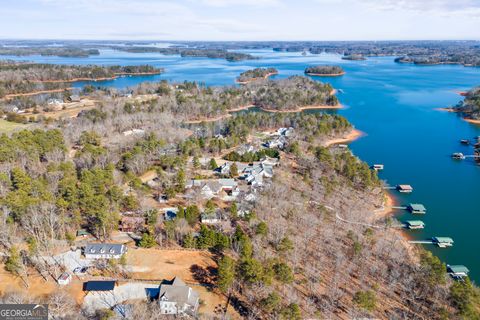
{"x":214,"y":187}
{"x":177,"y":298}
{"x":211,"y":218}
{"x":254,"y":174}
{"x":104,"y":251}
{"x":279,"y":143}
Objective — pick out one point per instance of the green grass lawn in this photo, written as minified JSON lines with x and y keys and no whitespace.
{"x":7,"y":126}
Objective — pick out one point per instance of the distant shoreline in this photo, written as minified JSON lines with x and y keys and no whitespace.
{"x":300,"y":109}
{"x":116,"y":76}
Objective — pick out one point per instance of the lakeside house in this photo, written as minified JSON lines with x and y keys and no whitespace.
{"x":176,"y":298}
{"x":104,"y":251}
{"x":255,"y":173}
{"x":226,"y":189}
{"x":285,"y":131}
{"x":457,"y":272}
{"x":278,"y":143}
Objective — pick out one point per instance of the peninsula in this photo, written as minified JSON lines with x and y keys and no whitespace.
{"x":470,"y":106}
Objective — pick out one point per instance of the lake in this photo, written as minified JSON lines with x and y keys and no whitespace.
{"x":394,"y":104}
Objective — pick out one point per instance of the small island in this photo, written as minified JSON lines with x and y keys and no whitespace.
{"x":256,"y":74}
{"x":325,"y":71}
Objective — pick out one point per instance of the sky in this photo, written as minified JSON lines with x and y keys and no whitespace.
{"x":240,"y":19}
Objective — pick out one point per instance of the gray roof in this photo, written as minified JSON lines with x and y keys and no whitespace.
{"x":178,"y":292}
{"x":104,"y":248}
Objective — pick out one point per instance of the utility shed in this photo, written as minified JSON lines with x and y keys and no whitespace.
{"x":417,"y":208}
{"x":99,"y":285}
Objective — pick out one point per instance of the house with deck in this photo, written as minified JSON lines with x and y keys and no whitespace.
{"x":176,"y":298}
{"x":226,"y":189}
{"x":255,"y":173}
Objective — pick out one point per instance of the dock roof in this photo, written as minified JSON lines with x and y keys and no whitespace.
{"x":458,"y":269}
{"x":415,"y":223}
{"x":405,"y":187}
{"x":443,"y":239}
{"x":417,"y":207}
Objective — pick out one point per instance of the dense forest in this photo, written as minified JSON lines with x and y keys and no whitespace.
{"x":285,"y":255}
{"x":293,"y":93}
{"x":467,"y":60}
{"x":18,"y":78}
{"x":255,"y":74}
{"x":324,"y":70}
{"x":192,"y":52}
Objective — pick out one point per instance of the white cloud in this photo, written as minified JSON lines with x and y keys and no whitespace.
{"x":440,"y":7}
{"x":229,"y":3}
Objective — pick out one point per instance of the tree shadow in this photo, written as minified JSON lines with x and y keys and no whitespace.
{"x":203,"y":275}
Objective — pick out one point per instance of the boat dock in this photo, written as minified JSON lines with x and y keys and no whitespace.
{"x":377,"y":167}
{"x":403,"y":188}
{"x":414,"y":224}
{"x":415,"y":208}
{"x":441,"y":242}
{"x":461,"y":156}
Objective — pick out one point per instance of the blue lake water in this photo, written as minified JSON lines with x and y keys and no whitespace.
{"x":395,"y":105}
